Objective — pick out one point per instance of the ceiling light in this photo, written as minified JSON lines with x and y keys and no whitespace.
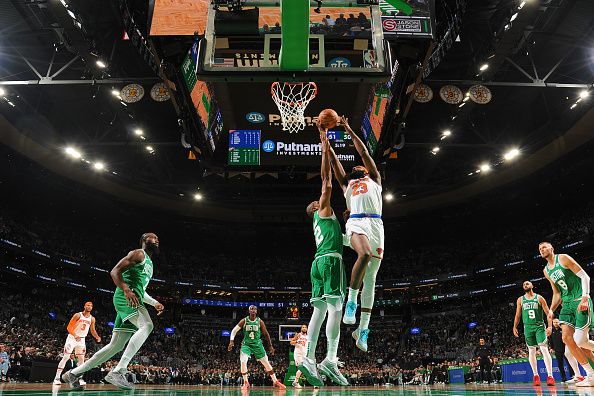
{"x":513,"y":18}
{"x":485,"y":167}
{"x":150,"y":148}
{"x":123,"y":104}
{"x":198,"y":197}
{"x":584,"y":94}
{"x":435,"y":149}
{"x":98,"y":166}
{"x":477,"y":171}
{"x":72,"y":152}
{"x":511,"y":154}
{"x":2,"y":92}
{"x":573,"y":106}
{"x":101,"y":64}
{"x":138,"y":132}
{"x":471,"y":173}
{"x":484,"y":67}
{"x":462,"y":104}
{"x":115,"y":92}
{"x":447,"y":133}
{"x":389,"y":197}
{"x":522,"y":4}
{"x":466,"y":99}
{"x":142,"y":138}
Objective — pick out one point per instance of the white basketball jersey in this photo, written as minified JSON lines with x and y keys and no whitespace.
{"x":82,"y":326}
{"x":300,"y":343}
{"x":364,"y":196}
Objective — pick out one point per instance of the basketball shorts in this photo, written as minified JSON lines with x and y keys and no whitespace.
{"x":71,"y":344}
{"x":256,"y":348}
{"x":124,"y":312}
{"x":298,"y":356}
{"x":570,"y":315}
{"x":328,"y":278}
{"x":373,"y":229}
{"x":535,"y":335}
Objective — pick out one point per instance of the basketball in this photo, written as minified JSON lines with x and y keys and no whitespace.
{"x":328,"y":118}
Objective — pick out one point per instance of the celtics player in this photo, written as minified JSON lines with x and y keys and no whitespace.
{"x":571,"y":288}
{"x":328,"y":280}
{"x":133,"y":323}
{"x":532,"y":307}
{"x":253,"y":327}
{"x":362,"y":190}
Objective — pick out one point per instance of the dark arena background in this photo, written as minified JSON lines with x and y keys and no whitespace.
{"x":151,"y":127}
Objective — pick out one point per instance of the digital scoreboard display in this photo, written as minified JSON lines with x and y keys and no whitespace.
{"x":258,"y":147}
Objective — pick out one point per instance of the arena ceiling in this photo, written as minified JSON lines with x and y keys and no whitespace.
{"x":538,"y":66}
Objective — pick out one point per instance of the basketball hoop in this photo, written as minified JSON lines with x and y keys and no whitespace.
{"x":291,"y":100}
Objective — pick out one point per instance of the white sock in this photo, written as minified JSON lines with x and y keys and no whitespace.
{"x":117,"y":343}
{"x":364,"y":321}
{"x":145,"y":327}
{"x":353,"y":294}
{"x":61,"y":365}
{"x":548,"y":361}
{"x":333,"y":327}
{"x":315,"y":324}
{"x":572,"y":362}
{"x":532,"y":360}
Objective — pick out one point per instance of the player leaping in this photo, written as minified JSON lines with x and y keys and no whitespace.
{"x":364,"y":230}
{"x":571,"y":287}
{"x":532,"y":308}
{"x":253,"y":327}
{"x":78,"y":328}
{"x":133,"y":323}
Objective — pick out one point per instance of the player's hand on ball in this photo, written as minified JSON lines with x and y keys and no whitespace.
{"x":131,"y":298}
{"x":160,"y":308}
{"x":516,"y":332}
{"x":230,"y":347}
{"x":549,"y":331}
{"x":345,"y":123}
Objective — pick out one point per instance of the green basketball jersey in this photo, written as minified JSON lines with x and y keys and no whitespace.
{"x":328,"y":235}
{"x":251,"y":331}
{"x":138,"y":277}
{"x":568,"y":283}
{"x":532,"y":312}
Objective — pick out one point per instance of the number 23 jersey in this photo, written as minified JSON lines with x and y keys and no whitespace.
{"x":364,"y":196}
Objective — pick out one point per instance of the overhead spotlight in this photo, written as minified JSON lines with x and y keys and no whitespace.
{"x":115,"y":92}
{"x":484,"y":67}
{"x":445,"y":134}
{"x":522,"y":4}
{"x":506,"y":27}
{"x":513,"y":18}
{"x":584,"y":94}
{"x":573,"y":106}
{"x":389,"y":197}
{"x":471,"y":173}
{"x":435,"y":150}
{"x":198,"y":197}
{"x":2,"y":92}
{"x":98,"y":166}
{"x":150,"y":149}
{"x":138,"y":132}
{"x":72,"y":152}
{"x":511,"y":154}
{"x":462,"y":104}
{"x":485,"y":167}
{"x":101,"y":64}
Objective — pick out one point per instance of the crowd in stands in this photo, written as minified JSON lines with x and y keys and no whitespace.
{"x":350,"y":25}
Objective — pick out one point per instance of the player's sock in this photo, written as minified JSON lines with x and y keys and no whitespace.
{"x":273,"y":377}
{"x":145,"y":327}
{"x":548,"y":361}
{"x":61,"y":365}
{"x":364,"y":321}
{"x":117,"y":343}
{"x":245,"y":377}
{"x":572,"y":362}
{"x":532,"y":359}
{"x":333,"y":327}
{"x":315,"y":323}
{"x":353,"y":294}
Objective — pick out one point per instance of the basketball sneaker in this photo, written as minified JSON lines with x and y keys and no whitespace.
{"x":245,"y":386}
{"x":119,"y":380}
{"x":586,"y":382}
{"x":360,"y":337}
{"x":278,"y":384}
{"x":72,"y":380}
{"x":296,"y":385}
{"x":574,"y":380}
{"x":330,"y":369}
{"x":57,"y":381}
{"x":309,"y":369}
{"x":536,"y":380}
{"x":82,"y":382}
{"x":349,"y":313}
{"x":550,"y":381}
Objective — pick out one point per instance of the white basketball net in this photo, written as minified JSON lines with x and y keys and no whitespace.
{"x":292,"y":99}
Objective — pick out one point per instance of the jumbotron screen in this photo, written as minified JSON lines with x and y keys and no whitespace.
{"x":258,"y":147}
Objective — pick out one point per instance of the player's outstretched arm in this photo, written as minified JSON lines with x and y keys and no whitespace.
{"x":337,"y":167}
{"x":133,"y":258}
{"x":94,"y":331}
{"x":556,"y":300}
{"x":325,"y":209}
{"x":234,"y":332}
{"x":363,"y":152}
{"x":545,"y":307}
{"x":518,"y":315}
{"x":72,"y":325}
{"x":267,"y":336}
{"x":568,"y":262}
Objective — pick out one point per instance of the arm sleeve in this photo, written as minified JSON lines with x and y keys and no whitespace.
{"x":585,"y":282}
{"x":149,"y":300}
{"x":234,"y":332}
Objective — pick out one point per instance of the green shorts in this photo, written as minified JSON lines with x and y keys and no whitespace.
{"x":569,"y":315}
{"x":328,"y":278}
{"x":124,"y":313}
{"x":256,"y":348}
{"x":535,"y":335}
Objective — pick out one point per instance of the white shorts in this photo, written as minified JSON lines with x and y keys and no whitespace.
{"x":298,"y":357}
{"x":71,"y":344}
{"x":373,"y":229}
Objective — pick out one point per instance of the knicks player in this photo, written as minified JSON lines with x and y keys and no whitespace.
{"x":299,"y":341}
{"x":78,"y":328}
{"x":364,"y":231}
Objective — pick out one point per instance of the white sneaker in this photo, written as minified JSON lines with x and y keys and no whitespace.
{"x":296,"y":385}
{"x":587,"y":382}
{"x":82,"y":382}
{"x":57,"y":381}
